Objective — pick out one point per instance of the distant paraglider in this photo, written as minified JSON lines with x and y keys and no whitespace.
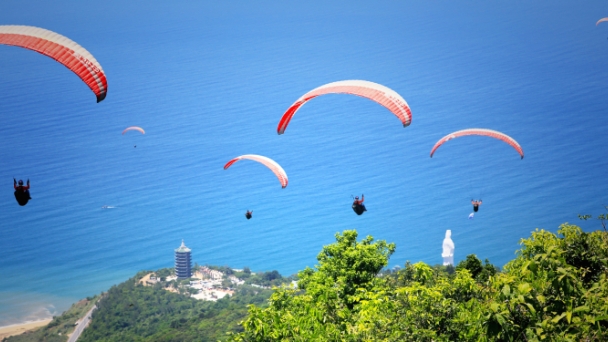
{"x":134,"y":128}
{"x":476,"y":205}
{"x":601,"y":21}
{"x":358,"y":206}
{"x":471,"y":216}
{"x":248,"y":214}
{"x":22,"y":192}
{"x":269,"y":163}
{"x":483,"y":132}
{"x":370,"y":90}
{"x":61,"y":49}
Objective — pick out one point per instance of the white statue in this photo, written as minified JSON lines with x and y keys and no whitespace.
{"x":448,"y":249}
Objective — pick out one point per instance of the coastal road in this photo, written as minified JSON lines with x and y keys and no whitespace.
{"x":83,"y":324}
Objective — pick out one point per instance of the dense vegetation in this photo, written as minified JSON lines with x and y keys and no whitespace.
{"x":60,"y":326}
{"x":133,"y":312}
{"x":555,"y":289}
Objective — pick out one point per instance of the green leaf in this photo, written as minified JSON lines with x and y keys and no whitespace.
{"x":557,"y":318}
{"x":531,"y":308}
{"x":523,"y":288}
{"x":541,"y":299}
{"x":533,"y":267}
{"x":501,"y":320}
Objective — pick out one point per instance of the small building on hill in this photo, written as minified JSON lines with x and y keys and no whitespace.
{"x":183,"y":262}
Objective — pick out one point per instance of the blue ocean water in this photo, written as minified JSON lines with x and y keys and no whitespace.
{"x":209,"y":81}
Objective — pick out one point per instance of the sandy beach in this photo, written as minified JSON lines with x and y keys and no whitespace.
{"x":18,"y":329}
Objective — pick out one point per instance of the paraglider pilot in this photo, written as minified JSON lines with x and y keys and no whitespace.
{"x":22,"y":192}
{"x":248,"y":214}
{"x":476,"y":205}
{"x":358,"y":206}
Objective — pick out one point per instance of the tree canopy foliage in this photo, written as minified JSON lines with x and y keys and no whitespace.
{"x":555,"y":289}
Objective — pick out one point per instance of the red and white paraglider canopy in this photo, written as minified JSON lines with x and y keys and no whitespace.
{"x":269,"y":163}
{"x":61,"y":49}
{"x":483,"y":132}
{"x":369,"y":90}
{"x":134,"y":128}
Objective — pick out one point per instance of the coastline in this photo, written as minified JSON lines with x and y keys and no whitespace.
{"x":17,"y":329}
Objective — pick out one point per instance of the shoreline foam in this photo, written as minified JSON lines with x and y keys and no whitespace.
{"x":17,"y":329}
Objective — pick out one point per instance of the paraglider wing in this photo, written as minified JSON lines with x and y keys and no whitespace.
{"x":269,"y":163}
{"x":601,"y":21}
{"x":480,"y":131}
{"x":61,"y":49}
{"x":471,"y":215}
{"x":370,"y":90}
{"x":134,"y":128}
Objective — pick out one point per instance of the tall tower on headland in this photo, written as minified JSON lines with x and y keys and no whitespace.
{"x":183,"y":262}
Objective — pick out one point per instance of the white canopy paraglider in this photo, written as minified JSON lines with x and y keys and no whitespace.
{"x":448,"y":249}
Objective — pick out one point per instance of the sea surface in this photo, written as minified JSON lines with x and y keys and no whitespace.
{"x":209,"y":81}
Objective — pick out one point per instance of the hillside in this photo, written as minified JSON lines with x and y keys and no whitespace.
{"x":165,"y":311}
{"x":554,"y":289}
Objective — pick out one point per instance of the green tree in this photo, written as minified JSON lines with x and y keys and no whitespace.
{"x":479,"y":272}
{"x":603,"y":218}
{"x":226,"y":283}
{"x":472,"y":264}
{"x":328,"y":299}
{"x":555,"y":288}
